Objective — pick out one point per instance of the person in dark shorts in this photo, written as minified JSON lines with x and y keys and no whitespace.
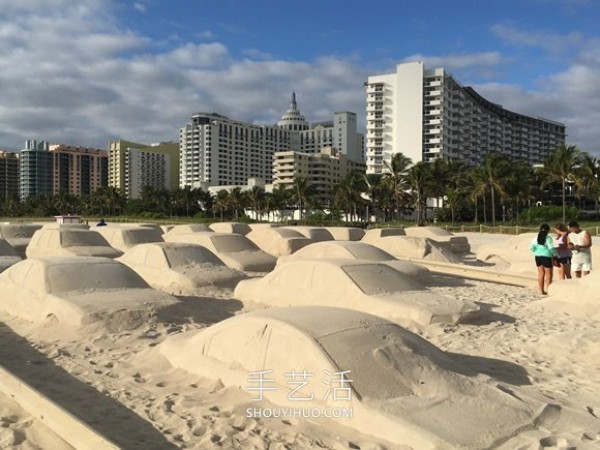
{"x":542,"y":247}
{"x":561,"y":244}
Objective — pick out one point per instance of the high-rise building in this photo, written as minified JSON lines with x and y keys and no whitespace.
{"x":427,"y":114}
{"x":132,"y":166}
{"x":35,"y":169}
{"x":9,"y":174}
{"x":217,"y":151}
{"x":323,"y":170}
{"x":78,"y":170}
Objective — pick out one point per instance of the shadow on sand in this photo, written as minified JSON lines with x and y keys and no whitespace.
{"x":195,"y":309}
{"x":100,"y":412}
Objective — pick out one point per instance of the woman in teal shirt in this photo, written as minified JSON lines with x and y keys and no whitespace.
{"x":543,"y":249}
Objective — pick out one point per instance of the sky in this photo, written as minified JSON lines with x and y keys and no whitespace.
{"x":86,"y":72}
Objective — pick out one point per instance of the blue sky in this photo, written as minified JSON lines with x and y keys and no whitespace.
{"x":89,"y":71}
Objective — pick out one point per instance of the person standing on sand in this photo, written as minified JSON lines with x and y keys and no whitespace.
{"x":543,"y":249}
{"x":580,"y":243}
{"x":563,"y":251}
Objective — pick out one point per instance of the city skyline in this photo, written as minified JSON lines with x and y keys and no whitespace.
{"x":104,"y":70}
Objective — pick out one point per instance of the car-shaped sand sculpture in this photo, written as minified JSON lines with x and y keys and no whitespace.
{"x":398,"y":386}
{"x":356,"y":250}
{"x":80,"y":291}
{"x":179,"y":268}
{"x":235,"y":250}
{"x":8,"y":255}
{"x":367,"y":286}
{"x":124,"y":238}
{"x":278,"y":241}
{"x":66,"y":242}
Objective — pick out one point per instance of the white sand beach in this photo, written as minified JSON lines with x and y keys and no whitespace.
{"x":535,"y":350}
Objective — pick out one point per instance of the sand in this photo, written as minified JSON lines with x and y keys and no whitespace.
{"x":119,"y":381}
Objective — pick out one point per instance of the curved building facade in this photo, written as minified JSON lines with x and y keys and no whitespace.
{"x":427,"y":114}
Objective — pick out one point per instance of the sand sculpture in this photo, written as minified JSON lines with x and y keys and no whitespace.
{"x":79,"y":291}
{"x":415,"y":247}
{"x":188,"y":228}
{"x":179,"y":268}
{"x":376,"y":233}
{"x":231,"y":227}
{"x":235,"y":250}
{"x":346,"y":233}
{"x":357,"y":250}
{"x":278,"y":241}
{"x":124,"y":238}
{"x":364,"y":286}
{"x":399,"y":386}
{"x":8,"y":255}
{"x":65,"y":226}
{"x":317,"y":234}
{"x":18,"y":235}
{"x":513,"y":256}
{"x":444,"y":238}
{"x":65,"y":242}
{"x":254,"y":226}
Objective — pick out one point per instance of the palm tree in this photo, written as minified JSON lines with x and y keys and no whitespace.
{"x":301,"y":193}
{"x":588,"y":174}
{"x":237,"y":201}
{"x":418,"y":179}
{"x":347,"y":194}
{"x":561,"y":167}
{"x":495,"y":171}
{"x":394,"y":178}
{"x":221,"y":202}
{"x":256,"y":198}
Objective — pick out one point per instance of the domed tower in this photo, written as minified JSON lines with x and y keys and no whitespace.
{"x":292,"y":120}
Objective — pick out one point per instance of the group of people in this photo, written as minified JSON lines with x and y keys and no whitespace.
{"x":570,"y":251}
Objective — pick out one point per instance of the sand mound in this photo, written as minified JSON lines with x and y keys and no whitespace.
{"x":124,"y":238}
{"x":255,"y":226}
{"x":346,"y":233}
{"x":445,"y":239}
{"x":400,"y":387}
{"x":376,"y":233}
{"x":179,"y":268}
{"x":189,"y":228}
{"x":515,"y":249}
{"x":415,"y":247}
{"x":66,"y":242}
{"x":18,"y":235}
{"x":364,"y":286}
{"x":317,"y":234}
{"x":356,"y":250}
{"x":278,"y":241}
{"x":235,"y":250}
{"x":231,"y":227}
{"x":79,"y":291}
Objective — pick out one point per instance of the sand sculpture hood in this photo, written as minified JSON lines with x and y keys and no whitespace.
{"x":404,"y":389}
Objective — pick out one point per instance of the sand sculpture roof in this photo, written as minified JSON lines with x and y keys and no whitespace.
{"x":346,"y":233}
{"x":124,"y":238}
{"x":315,"y":233}
{"x":356,"y":284}
{"x":234,"y":250}
{"x":356,"y":250}
{"x":188,"y":228}
{"x":180,"y":268}
{"x":64,"y":242}
{"x":8,"y":255}
{"x":230,"y":227}
{"x":402,"y":387}
{"x":376,"y":233}
{"x":415,"y":247}
{"x":278,"y":241}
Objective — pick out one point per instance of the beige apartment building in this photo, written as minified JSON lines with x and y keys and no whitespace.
{"x":323,"y":170}
{"x":78,"y":170}
{"x":132,"y":166}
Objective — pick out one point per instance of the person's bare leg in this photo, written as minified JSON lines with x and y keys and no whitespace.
{"x":547,"y":279}
{"x":587,"y":272}
{"x":561,"y":272}
{"x":541,"y":279}
{"x":578,"y":274}
{"x":567,"y":271}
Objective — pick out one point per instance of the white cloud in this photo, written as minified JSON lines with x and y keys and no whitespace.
{"x":552,"y":42}
{"x":140,"y":7}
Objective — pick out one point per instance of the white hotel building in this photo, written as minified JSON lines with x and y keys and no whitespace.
{"x":218,"y":151}
{"x":427,"y":114}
